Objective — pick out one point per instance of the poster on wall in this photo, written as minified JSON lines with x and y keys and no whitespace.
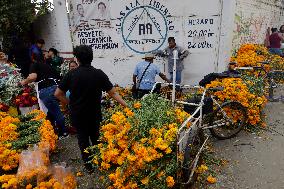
{"x":128,"y":27}
{"x":91,"y":24}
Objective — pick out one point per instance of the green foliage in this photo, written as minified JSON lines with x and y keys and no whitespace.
{"x":24,"y":142}
{"x":28,"y":130}
{"x":256,"y":85}
{"x":149,"y":123}
{"x":16,"y":17}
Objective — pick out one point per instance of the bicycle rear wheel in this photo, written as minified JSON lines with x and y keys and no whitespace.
{"x":194,"y":143}
{"x":228,"y":120}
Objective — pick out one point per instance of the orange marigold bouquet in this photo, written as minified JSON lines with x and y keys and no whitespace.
{"x":138,"y":145}
{"x":17,"y":134}
{"x":35,"y":172}
{"x":236,"y":90}
{"x":250,"y":55}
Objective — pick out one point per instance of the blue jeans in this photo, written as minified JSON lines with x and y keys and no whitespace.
{"x":178,"y":77}
{"x":276,"y":51}
{"x":51,"y":103}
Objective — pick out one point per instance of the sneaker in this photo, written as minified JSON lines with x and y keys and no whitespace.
{"x":64,"y":136}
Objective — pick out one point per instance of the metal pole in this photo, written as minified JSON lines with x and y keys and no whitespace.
{"x":175,"y":52}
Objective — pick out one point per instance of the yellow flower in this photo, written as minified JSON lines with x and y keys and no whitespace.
{"x":201,"y":169}
{"x":160,"y":143}
{"x":162,"y":173}
{"x":170,"y":181}
{"x":145,"y":181}
{"x":29,"y":186}
{"x":131,"y":158}
{"x":86,"y":151}
{"x":211,"y":180}
{"x":137,"y":105}
{"x":105,"y":166}
{"x":168,"y":150}
{"x":95,"y":161}
{"x":79,"y":174}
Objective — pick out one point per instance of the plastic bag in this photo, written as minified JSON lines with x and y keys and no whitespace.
{"x":64,"y":176}
{"x":33,"y":162}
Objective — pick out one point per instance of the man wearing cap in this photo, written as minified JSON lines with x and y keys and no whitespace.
{"x":169,"y":53}
{"x":144,"y":75}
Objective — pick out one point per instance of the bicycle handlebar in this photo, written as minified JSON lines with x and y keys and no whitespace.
{"x":264,"y":62}
{"x":215,"y":89}
{"x":258,"y":68}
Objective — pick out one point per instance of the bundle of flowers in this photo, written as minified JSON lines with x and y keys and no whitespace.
{"x":250,"y":55}
{"x":9,"y":83}
{"x":236,"y":90}
{"x":277,"y":65}
{"x":107,"y":101}
{"x":138,"y":145}
{"x":64,"y":68}
{"x":26,"y":98}
{"x":17,"y":134}
{"x":35,"y":172}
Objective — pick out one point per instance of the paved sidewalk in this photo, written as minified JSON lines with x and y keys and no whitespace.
{"x":255,"y":162}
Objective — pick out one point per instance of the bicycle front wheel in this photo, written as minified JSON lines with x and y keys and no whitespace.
{"x":228,"y":120}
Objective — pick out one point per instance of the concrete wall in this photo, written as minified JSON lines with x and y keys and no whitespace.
{"x":195,"y":25}
{"x":253,"y":17}
{"x":209,"y":29}
{"x":54,"y":29}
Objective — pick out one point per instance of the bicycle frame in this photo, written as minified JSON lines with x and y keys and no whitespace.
{"x":270,"y":77}
{"x":196,"y":124}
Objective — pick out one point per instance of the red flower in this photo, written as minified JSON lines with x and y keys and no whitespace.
{"x":4,"y":107}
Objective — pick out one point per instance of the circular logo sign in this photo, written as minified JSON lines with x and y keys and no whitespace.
{"x":144,"y":29}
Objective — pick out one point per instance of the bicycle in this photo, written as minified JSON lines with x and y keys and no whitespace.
{"x":224,"y":121}
{"x":268,"y":76}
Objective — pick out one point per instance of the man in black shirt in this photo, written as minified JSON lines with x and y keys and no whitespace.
{"x":46,"y":77}
{"x":86,"y":85}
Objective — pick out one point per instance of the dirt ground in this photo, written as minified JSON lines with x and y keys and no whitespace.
{"x":68,"y":152}
{"x":255,"y":161}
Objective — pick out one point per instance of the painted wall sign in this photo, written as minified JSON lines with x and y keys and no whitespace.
{"x":135,"y":26}
{"x":121,"y":31}
{"x":201,"y":33}
{"x":144,"y":26}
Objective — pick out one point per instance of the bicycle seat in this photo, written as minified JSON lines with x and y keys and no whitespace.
{"x":230,"y":74}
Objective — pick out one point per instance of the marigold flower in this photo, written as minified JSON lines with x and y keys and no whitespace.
{"x":137,"y":105}
{"x":145,"y":181}
{"x":211,"y":179}
{"x":170,"y":181}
